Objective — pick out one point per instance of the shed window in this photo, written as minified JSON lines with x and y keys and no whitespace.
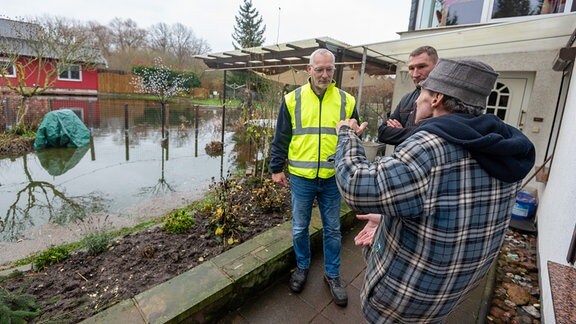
{"x":70,"y":72}
{"x":8,"y":68}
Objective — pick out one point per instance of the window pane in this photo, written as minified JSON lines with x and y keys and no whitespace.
{"x":503,"y":101}
{"x":7,"y":69}
{"x":437,"y":13}
{"x":492,"y":98}
{"x":517,"y":8}
{"x":70,"y":72}
{"x":75,"y":75}
{"x":64,"y":74}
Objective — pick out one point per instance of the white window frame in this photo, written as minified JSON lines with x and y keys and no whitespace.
{"x":67,"y":67}
{"x":486,"y":15}
{"x":489,"y":5}
{"x":13,"y":74}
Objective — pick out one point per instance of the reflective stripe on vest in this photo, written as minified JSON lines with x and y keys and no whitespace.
{"x":298,"y":130}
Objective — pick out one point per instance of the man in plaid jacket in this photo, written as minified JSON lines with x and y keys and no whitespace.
{"x":442,"y":202}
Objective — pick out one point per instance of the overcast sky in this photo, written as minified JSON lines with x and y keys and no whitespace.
{"x":354,"y":22}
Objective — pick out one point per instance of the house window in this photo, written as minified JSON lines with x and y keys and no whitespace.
{"x":437,"y":13}
{"x":498,"y":101}
{"x":70,"y":72}
{"x":78,"y":111}
{"x":519,"y":8}
{"x":8,"y":68}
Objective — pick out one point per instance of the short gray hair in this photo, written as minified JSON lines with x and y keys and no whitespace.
{"x":322,"y":51}
{"x":453,"y":105}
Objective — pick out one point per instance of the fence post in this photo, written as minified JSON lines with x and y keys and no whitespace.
{"x":5,"y":112}
{"x":126,"y":118}
{"x":196,"y":116}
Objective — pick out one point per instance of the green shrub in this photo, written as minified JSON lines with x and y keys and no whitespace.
{"x":179,"y":221}
{"x":97,"y":242}
{"x":51,"y":256}
{"x":17,"y":308}
{"x":96,"y":234}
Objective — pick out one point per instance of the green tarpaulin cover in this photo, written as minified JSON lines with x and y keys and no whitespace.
{"x":61,"y":128}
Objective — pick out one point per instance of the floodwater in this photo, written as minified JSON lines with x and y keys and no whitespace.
{"x":126,"y":176}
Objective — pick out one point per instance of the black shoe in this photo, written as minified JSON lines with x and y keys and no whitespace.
{"x":298,"y":279}
{"x":338,"y":292}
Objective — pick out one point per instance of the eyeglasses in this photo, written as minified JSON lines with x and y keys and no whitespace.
{"x":320,"y":70}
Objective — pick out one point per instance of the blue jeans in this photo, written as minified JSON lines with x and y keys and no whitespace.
{"x":304,"y":191}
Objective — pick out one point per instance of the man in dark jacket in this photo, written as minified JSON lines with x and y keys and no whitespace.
{"x":444,"y":197}
{"x":401,"y":123}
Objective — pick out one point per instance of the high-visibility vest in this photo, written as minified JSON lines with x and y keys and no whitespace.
{"x":314,"y":135}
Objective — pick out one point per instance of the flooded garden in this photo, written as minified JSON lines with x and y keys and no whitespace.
{"x":129,"y":173}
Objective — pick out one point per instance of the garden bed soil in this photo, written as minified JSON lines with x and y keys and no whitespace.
{"x":83,"y":285}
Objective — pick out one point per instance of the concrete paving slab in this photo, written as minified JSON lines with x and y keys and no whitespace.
{"x":349,"y":314}
{"x":121,"y":313}
{"x":278,"y":305}
{"x":184,"y":295}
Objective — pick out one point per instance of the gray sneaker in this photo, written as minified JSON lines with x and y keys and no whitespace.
{"x":298,"y":279}
{"x":338,"y":292}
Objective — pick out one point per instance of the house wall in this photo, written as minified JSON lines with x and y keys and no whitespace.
{"x":89,"y":81}
{"x":544,"y":94}
{"x":35,"y":75}
{"x":556,"y":219}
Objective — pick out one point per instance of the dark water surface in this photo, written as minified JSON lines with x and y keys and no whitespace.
{"x":128,"y":175}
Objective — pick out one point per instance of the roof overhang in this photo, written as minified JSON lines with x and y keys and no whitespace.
{"x":278,"y":58}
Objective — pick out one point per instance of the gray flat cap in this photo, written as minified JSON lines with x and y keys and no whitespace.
{"x":467,"y":80}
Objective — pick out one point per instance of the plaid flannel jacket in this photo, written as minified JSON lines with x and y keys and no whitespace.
{"x":444,"y":220}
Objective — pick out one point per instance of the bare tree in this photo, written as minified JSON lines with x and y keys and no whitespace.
{"x":101,"y":37}
{"x":201,"y":46}
{"x":126,"y":35}
{"x":160,"y":37}
{"x":183,"y":41}
{"x":176,"y":43}
{"x":40,"y":52}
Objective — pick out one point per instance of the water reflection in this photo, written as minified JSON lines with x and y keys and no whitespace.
{"x":162,"y":186}
{"x":59,"y":160}
{"x":37,"y":201}
{"x":130,"y":164}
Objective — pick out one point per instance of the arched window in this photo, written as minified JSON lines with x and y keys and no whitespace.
{"x":499,"y":101}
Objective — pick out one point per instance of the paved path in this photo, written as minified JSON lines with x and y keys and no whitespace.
{"x":277,"y":304}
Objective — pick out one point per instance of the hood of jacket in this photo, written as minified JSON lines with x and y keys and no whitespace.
{"x":500,"y":149}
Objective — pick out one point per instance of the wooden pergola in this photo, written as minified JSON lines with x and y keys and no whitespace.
{"x":279,"y":58}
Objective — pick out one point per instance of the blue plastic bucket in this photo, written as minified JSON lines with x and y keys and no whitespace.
{"x":524,"y":207}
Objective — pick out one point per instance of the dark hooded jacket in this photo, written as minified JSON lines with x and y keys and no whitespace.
{"x":500,"y":149}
